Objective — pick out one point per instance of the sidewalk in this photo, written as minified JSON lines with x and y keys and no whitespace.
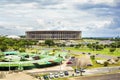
{"x":18,"y":76}
{"x":101,"y":70}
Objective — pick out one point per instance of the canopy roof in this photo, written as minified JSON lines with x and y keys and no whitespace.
{"x":11,"y":53}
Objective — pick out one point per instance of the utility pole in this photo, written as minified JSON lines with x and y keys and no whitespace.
{"x":9,"y":62}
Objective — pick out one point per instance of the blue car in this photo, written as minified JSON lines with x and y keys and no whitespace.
{"x":45,"y":77}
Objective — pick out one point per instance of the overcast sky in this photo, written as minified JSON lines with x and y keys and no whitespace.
{"x":95,"y":18}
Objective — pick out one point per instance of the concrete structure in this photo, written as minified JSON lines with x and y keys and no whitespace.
{"x":58,"y":35}
{"x":13,"y":37}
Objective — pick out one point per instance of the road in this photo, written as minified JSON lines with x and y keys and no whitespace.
{"x":115,"y":76}
{"x":102,"y":70}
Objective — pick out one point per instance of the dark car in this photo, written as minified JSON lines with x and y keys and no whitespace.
{"x":77,"y":71}
{"x":56,"y":75}
{"x":45,"y":77}
{"x":66,"y":73}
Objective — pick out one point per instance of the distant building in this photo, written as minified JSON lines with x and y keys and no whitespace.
{"x":106,"y":42}
{"x":58,"y":35}
{"x":13,"y":37}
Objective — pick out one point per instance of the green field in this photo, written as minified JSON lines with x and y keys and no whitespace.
{"x":95,"y":65}
{"x":104,"y":51}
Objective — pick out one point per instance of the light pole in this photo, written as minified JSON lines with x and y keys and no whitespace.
{"x":81,"y":71}
{"x":9,"y":62}
{"x":116,"y":45}
{"x":19,"y":66}
{"x":76,"y":60}
{"x":60,"y":63}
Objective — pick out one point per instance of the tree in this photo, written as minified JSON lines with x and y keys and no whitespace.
{"x":99,"y":47}
{"x":78,"y":45}
{"x":1,"y":56}
{"x":9,"y":43}
{"x":112,"y":49}
{"x":89,"y":45}
{"x":49,"y":42}
{"x":62,"y":45}
{"x":22,"y":50}
{"x":95,"y":46}
{"x":92,"y":57}
{"x":106,"y":63}
{"x":113,"y":45}
{"x":71,"y":45}
{"x":3,"y":48}
{"x":117,"y":44}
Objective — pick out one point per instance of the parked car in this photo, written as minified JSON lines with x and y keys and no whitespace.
{"x":69,"y":62}
{"x":56,"y":75}
{"x":61,"y":74}
{"x":45,"y":77}
{"x":51,"y":75}
{"x":66,"y":73}
{"x":77,"y":71}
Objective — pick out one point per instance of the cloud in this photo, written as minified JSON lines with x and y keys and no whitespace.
{"x":41,"y":2}
{"x":93,"y":17}
{"x":115,"y":24}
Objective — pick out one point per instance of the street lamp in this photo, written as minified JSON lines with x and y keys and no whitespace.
{"x":81,"y":71}
{"x":60,"y":63}
{"x":9,"y":62}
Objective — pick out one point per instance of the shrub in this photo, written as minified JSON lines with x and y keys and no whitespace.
{"x":49,"y":42}
{"x":92,"y":57}
{"x":112,"y":49}
{"x":72,"y":45}
{"x":22,"y":50}
{"x":106,"y":63}
{"x":77,"y":47}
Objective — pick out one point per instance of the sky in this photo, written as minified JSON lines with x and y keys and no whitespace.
{"x":95,"y":18}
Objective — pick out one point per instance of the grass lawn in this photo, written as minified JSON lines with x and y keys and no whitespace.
{"x":104,"y":51}
{"x":95,"y":65}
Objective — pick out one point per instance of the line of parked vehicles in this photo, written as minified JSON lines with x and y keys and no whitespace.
{"x":77,"y":72}
{"x":55,"y":75}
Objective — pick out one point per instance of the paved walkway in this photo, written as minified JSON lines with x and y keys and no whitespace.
{"x":113,"y":76}
{"x":101,"y":70}
{"x":18,"y":76}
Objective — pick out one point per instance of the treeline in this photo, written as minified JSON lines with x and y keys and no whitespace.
{"x":93,"y":46}
{"x":15,"y":44}
{"x":102,"y":38}
{"x":97,"y":46}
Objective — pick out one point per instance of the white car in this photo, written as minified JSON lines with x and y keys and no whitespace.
{"x":56,"y":75}
{"x":51,"y":76}
{"x":61,"y":74}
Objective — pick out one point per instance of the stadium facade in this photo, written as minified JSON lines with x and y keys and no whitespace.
{"x":58,"y":35}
